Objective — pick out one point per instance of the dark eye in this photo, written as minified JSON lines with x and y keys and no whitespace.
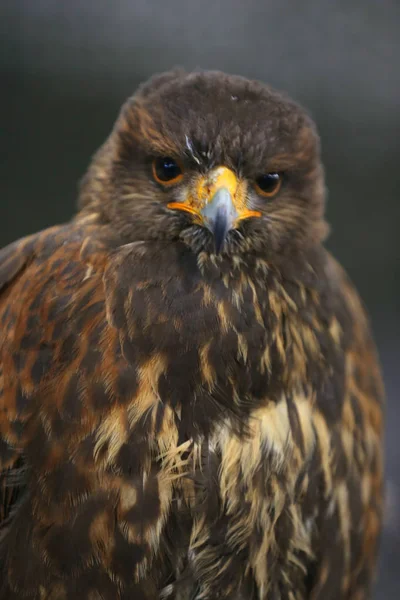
{"x":166,"y":170}
{"x":269,"y":184}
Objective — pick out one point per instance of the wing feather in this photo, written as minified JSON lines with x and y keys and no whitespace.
{"x":66,"y":388}
{"x":13,"y":260}
{"x":350,"y":451}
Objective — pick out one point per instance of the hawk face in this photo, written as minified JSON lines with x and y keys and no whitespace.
{"x":227,"y":165}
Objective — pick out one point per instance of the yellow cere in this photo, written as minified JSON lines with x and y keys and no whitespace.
{"x":206,"y":187}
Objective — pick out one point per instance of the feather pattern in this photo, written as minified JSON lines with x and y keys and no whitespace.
{"x":176,"y":424}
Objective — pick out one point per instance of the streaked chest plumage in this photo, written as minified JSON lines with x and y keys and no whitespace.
{"x":227,"y":402}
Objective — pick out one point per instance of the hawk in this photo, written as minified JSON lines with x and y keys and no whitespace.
{"x":190,"y":397}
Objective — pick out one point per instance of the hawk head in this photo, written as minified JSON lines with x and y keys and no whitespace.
{"x":225,"y":164}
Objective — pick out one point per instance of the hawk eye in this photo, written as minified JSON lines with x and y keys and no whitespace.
{"x":166,"y":170}
{"x":269,"y":184}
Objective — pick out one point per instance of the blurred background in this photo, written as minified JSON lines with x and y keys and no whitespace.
{"x":66,"y":67}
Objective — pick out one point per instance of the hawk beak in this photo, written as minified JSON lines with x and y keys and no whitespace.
{"x":218,"y":202}
{"x":219,"y":216}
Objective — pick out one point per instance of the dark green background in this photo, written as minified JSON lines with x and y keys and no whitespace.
{"x":67,"y":66}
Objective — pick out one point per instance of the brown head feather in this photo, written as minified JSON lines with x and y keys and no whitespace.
{"x":208,"y":119}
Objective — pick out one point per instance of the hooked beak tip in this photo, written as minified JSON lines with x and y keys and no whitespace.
{"x":219,"y":215}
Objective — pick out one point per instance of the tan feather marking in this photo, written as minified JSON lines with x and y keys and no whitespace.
{"x":152,"y":532}
{"x":310,"y":341}
{"x":199,"y":533}
{"x":112,"y":434}
{"x":88,"y":273}
{"x":127,"y":496}
{"x":287,"y":299}
{"x":305,"y":411}
{"x":165,"y":492}
{"x":167,"y":437}
{"x":226,"y":279}
{"x":240,"y":460}
{"x":262,"y":265}
{"x":256,"y":304}
{"x":342,"y":499}
{"x":237,"y":298}
{"x":266,"y":360}
{"x":173,"y":467}
{"x":207,"y":370}
{"x":207,"y":295}
{"x":275,"y":429}
{"x":172,"y":457}
{"x":164,"y":447}
{"x":223,"y":317}
{"x":242,"y":347}
{"x":324,"y":446}
{"x":260,"y":563}
{"x":301,"y":539}
{"x":237,"y":261}
{"x":147,"y":396}
{"x":269,"y":429}
{"x":129,"y":304}
{"x":299,"y":354}
{"x":335,"y":330}
{"x":276,"y":307}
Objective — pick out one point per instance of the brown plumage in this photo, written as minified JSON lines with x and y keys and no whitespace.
{"x":190,"y":399}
